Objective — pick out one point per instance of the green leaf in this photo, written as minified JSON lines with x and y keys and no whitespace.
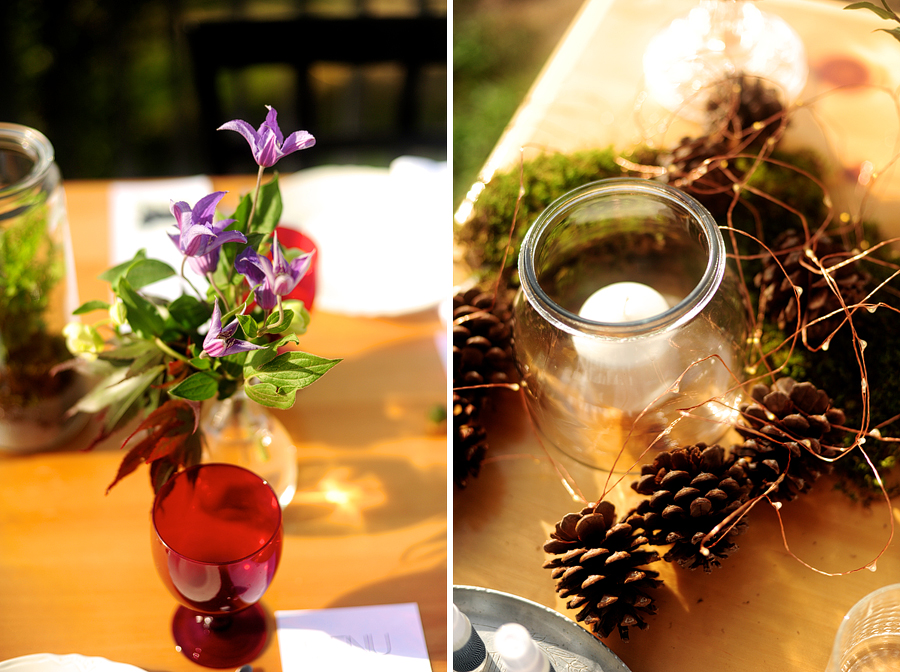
{"x":883,"y":13}
{"x":894,"y":31}
{"x":147,"y":271}
{"x":116,"y":387}
{"x":189,"y":312}
{"x":268,"y":209}
{"x":143,"y":316}
{"x":249,"y":326}
{"x":300,"y":323}
{"x":113,"y":274}
{"x":90,"y":306}
{"x":149,"y":359}
{"x":284,"y":325}
{"x":293,"y":370}
{"x":201,"y":363}
{"x":255,"y":241}
{"x":268,"y":395}
{"x":131,"y":350}
{"x":196,"y":387}
{"x":257,"y":358}
{"x":240,"y":215}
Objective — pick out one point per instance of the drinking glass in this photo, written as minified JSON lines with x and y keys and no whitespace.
{"x":216,"y":541}
{"x":868,"y":639}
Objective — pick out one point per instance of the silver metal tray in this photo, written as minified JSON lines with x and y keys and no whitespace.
{"x":568,"y":645}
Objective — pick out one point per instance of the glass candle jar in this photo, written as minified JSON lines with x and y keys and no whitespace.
{"x":628,"y":323}
{"x":37,"y":295}
{"x":716,"y":41}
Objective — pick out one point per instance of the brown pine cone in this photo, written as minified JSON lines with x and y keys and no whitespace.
{"x":786,"y":426}
{"x":690,"y":491}
{"x":469,"y":441}
{"x":482,"y":353}
{"x":482,"y":339}
{"x":742,"y":111}
{"x":778,"y":301}
{"x":600,"y":567}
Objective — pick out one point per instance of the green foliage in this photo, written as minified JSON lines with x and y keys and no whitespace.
{"x":493,"y":66}
{"x":541,"y":180}
{"x":155,"y":365}
{"x":886,"y":13}
{"x":31,"y":266}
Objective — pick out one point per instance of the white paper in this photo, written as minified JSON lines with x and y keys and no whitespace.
{"x":140,"y":219}
{"x":383,"y":638}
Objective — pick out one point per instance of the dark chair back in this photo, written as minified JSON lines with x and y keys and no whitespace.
{"x":412,"y":43}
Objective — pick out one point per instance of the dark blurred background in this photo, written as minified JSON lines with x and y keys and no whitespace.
{"x":128,"y":88}
{"x":499,"y":47}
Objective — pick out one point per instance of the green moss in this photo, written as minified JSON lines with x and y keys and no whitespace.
{"x":542,"y":180}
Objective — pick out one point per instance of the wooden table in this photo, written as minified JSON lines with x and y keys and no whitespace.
{"x":764,"y":609}
{"x":76,"y":575}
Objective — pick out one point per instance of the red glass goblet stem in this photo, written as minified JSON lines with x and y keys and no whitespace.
{"x":217,"y":538}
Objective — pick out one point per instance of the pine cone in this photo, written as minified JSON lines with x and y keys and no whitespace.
{"x":469,"y":441}
{"x":482,"y":339}
{"x":601,"y":569}
{"x":482,"y":353}
{"x":737,"y":108}
{"x":690,"y":491}
{"x":786,"y":427}
{"x":778,"y":300}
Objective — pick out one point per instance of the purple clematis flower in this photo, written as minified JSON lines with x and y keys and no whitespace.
{"x":199,"y":237}
{"x":220,"y":341}
{"x":268,"y":144}
{"x":271,"y":278}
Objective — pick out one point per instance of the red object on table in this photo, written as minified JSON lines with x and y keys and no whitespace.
{"x":306,"y":289}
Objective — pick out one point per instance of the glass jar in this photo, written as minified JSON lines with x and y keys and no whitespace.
{"x":720,"y":40}
{"x":37,"y":295}
{"x":629,"y":326}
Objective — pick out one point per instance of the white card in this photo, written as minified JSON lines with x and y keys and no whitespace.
{"x":383,"y":638}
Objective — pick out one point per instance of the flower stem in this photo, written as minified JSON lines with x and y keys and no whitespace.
{"x":278,"y":323}
{"x":162,"y":345}
{"x":185,"y":278}
{"x":212,"y":283}
{"x":255,"y":197}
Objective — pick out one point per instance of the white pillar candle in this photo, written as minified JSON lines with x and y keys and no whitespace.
{"x":628,"y":372}
{"x":623,"y":302}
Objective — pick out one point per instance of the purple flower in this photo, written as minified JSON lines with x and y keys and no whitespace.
{"x":220,"y":341}
{"x":199,"y":237}
{"x":268,"y":144}
{"x":271,"y":278}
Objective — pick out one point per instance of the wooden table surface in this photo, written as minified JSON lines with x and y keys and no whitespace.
{"x":76,"y":575}
{"x":764,"y":609}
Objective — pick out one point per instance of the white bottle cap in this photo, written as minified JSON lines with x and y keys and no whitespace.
{"x":518,"y":651}
{"x":462,"y":628}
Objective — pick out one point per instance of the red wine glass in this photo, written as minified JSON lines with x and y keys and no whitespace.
{"x":216,"y":540}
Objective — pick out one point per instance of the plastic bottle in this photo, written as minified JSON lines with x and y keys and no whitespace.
{"x":469,"y":654}
{"x":518,"y":651}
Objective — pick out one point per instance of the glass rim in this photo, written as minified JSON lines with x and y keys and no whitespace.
{"x":31,"y":143}
{"x":684,"y":311}
{"x":169,"y":484}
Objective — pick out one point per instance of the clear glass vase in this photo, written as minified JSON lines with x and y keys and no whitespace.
{"x":628,"y":323}
{"x":38,"y":293}
{"x":720,"y":40}
{"x":240,"y":431}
